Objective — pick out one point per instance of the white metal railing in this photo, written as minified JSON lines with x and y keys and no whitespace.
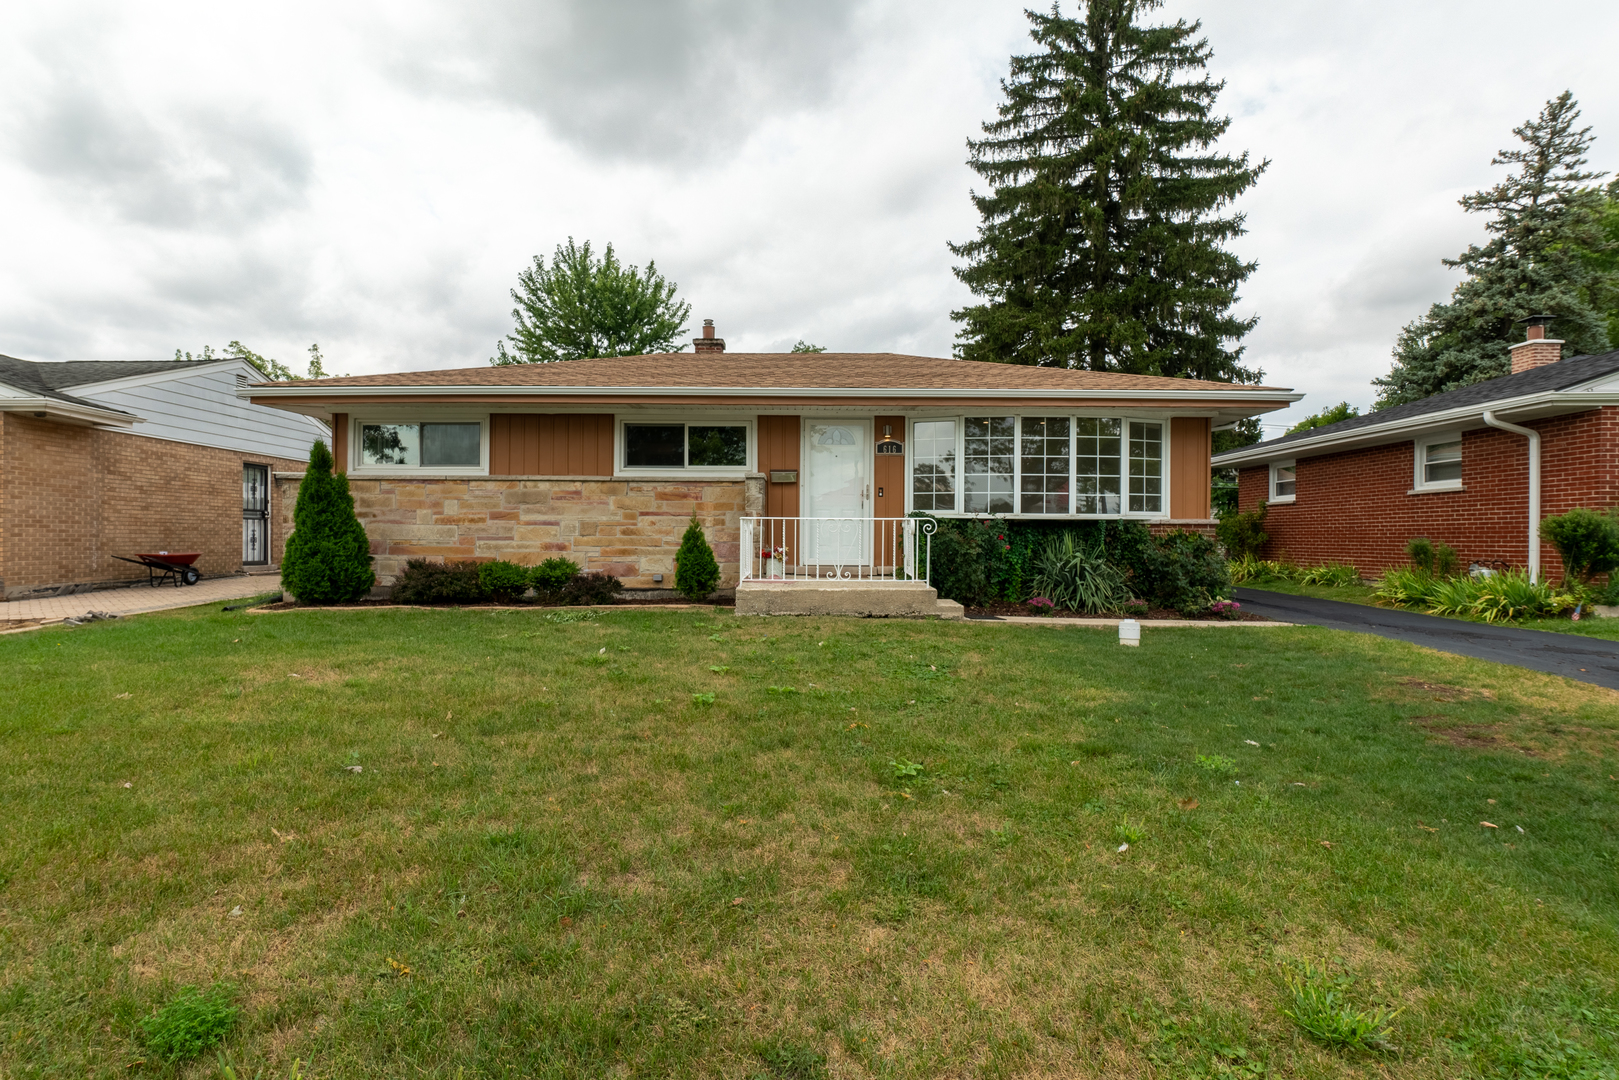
{"x":845,"y":548}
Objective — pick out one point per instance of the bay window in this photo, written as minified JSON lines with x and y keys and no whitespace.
{"x":988,"y":464}
{"x":1091,"y":466}
{"x":933,"y":466}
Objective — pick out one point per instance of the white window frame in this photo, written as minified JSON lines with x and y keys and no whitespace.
{"x":1125,"y":420}
{"x":1419,"y":462}
{"x":1276,"y":466}
{"x":706,"y":472}
{"x":358,"y":468}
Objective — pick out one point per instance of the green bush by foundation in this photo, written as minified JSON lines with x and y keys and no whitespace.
{"x":426,"y":582}
{"x":328,"y":556}
{"x":502,"y":580}
{"x":697,"y":572}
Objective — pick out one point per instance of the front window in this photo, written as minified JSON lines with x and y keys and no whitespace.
{"x":1146,"y":468}
{"x":425,"y":446}
{"x":1043,"y":485}
{"x":933,"y":465}
{"x":1442,"y":464}
{"x":988,"y":464}
{"x":685,"y":446}
{"x":1097,"y":465}
{"x":1284,"y":481}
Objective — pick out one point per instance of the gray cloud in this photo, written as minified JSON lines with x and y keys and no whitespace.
{"x":200,"y":168}
{"x":640,"y":79}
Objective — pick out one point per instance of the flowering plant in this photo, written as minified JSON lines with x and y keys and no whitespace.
{"x":1041,"y":603}
{"x":1136,"y":607}
{"x":1226,"y":609}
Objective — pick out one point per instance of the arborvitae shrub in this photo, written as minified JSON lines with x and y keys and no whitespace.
{"x":1243,"y":534}
{"x":696,"y":570}
{"x":426,"y":582}
{"x":552,"y":576}
{"x":328,"y":557}
{"x":1587,"y":541}
{"x":505,"y":581}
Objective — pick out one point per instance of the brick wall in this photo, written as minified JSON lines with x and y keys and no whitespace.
{"x":1354,"y":507}
{"x":72,"y":497}
{"x":628,"y":528}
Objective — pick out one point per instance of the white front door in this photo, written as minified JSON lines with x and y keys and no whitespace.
{"x":837,"y":485}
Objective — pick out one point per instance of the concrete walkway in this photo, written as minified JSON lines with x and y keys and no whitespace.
{"x":26,"y":614}
{"x":1574,"y":656}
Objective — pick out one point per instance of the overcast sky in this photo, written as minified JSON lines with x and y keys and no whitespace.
{"x":373,"y":176}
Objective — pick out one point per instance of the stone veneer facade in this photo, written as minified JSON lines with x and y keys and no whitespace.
{"x":628,"y":528}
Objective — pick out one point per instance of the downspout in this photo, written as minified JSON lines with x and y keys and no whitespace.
{"x":1534,"y":486}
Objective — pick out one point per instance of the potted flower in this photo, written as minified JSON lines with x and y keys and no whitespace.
{"x":775,"y":562}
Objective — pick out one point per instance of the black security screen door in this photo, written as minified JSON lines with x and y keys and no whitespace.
{"x":255,"y":515}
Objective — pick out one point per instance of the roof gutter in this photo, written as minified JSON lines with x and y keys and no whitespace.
{"x":306,"y":390}
{"x":1534,"y":486}
{"x":66,"y":410}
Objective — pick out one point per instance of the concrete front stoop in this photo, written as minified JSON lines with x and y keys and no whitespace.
{"x":868,"y":599}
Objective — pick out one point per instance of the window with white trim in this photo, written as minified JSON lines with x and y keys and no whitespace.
{"x":1146,"y":468}
{"x":1044,"y":449}
{"x":712,"y":446}
{"x":1097,"y":465}
{"x":1442,"y":463}
{"x":988,"y":464}
{"x":1284,"y":481}
{"x":933,"y":466}
{"x":1040,"y":465}
{"x":437,"y":445}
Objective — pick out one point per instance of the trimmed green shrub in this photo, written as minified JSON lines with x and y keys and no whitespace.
{"x":1587,"y":541}
{"x":1078,"y":576}
{"x":193,"y":1022}
{"x":1179,"y":570}
{"x":592,"y":588}
{"x":1420,"y":551}
{"x":1438,"y":560}
{"x":696,"y":570}
{"x":328,"y":556}
{"x":1243,"y":535}
{"x":961,"y":562}
{"x":426,"y":582}
{"x":505,"y":581}
{"x":552,"y":576}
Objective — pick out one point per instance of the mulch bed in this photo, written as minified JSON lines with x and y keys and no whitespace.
{"x":999,"y":610}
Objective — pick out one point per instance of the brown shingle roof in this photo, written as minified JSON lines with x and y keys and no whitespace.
{"x":779,"y":371}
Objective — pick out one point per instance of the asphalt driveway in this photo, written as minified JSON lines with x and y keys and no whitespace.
{"x":1574,"y":656}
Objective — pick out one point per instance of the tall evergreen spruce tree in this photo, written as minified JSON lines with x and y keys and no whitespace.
{"x":1101,"y":244}
{"x":328,"y":557}
{"x":1548,"y":254}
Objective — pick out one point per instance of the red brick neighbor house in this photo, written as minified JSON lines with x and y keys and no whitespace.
{"x":797,"y":464}
{"x":1476,"y":468}
{"x":106,"y":458}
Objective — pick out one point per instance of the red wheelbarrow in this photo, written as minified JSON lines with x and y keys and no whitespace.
{"x":166,"y":566}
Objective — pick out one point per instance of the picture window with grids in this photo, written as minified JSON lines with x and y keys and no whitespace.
{"x":988,"y":464}
{"x":933,"y":466}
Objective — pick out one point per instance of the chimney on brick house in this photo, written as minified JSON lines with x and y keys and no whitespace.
{"x":1537,"y":350}
{"x":709,"y":343}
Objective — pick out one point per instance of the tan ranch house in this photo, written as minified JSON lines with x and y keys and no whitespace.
{"x":799,"y":465}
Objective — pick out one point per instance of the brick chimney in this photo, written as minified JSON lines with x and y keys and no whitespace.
{"x":1537,"y":350}
{"x":709,"y":343}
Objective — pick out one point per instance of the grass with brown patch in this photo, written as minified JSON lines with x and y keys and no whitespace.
{"x":589,"y":870}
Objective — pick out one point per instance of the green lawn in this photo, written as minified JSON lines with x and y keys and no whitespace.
{"x":1588,"y":625}
{"x":669,"y":843}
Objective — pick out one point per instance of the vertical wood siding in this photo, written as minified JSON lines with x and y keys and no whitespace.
{"x":1189,"y":467}
{"x":340,"y":442}
{"x":779,"y":449}
{"x":888,"y":472}
{"x":545,"y":444}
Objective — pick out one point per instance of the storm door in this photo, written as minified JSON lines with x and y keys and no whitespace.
{"x":255,"y":515}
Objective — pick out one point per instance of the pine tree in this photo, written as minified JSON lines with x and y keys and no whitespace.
{"x":1101,"y":240}
{"x":328,"y":557}
{"x":1545,"y":256}
{"x":697,"y":572}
